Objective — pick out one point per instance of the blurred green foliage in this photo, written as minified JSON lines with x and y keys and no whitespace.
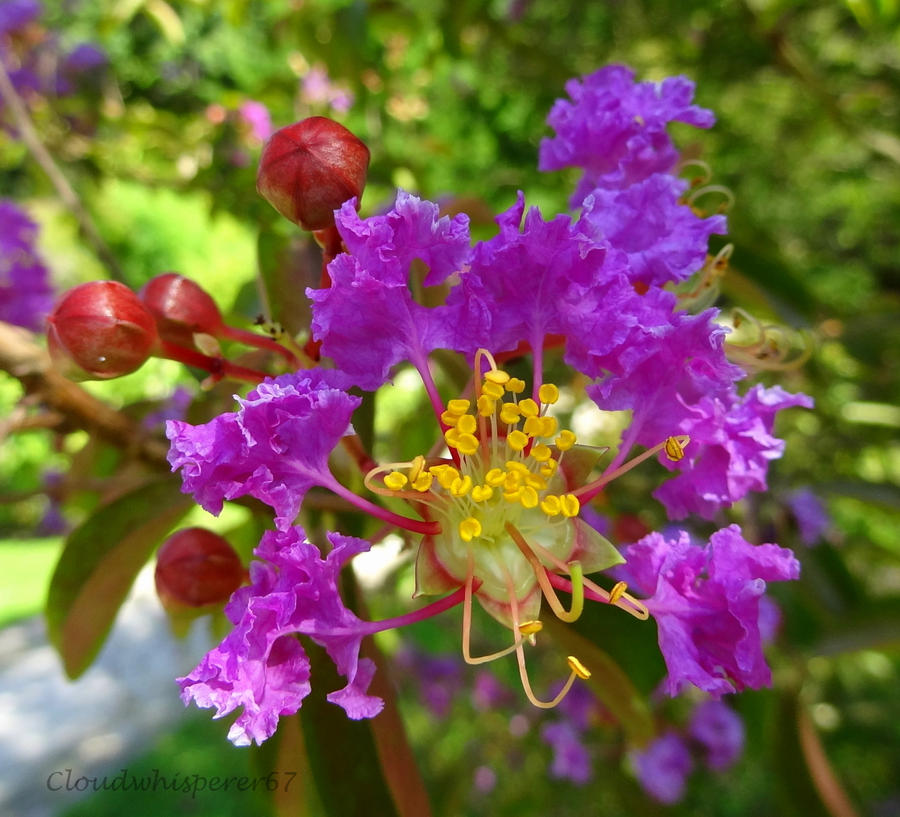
{"x":451,"y":98}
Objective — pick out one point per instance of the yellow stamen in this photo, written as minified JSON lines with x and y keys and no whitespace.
{"x":448,"y":418}
{"x":459,"y":406}
{"x":495,"y":477}
{"x":486,"y":405}
{"x":497,"y":376}
{"x":541,"y":452}
{"x":529,"y":407}
{"x":461,"y":486}
{"x":482,"y":493}
{"x":395,"y":480}
{"x":548,"y":393}
{"x":469,"y":528}
{"x":548,"y":426}
{"x":578,"y":668}
{"x":510,"y":414}
{"x":422,"y":483}
{"x":494,"y":390}
{"x":530,"y":627}
{"x":548,"y":469}
{"x":529,"y":498}
{"x":467,"y":424}
{"x":416,"y":467}
{"x":674,"y":449}
{"x":569,"y":505}
{"x":532,"y":426}
{"x":565,"y":440}
{"x":618,"y":590}
{"x":515,"y":386}
{"x":516,"y":440}
{"x":467,"y":443}
{"x":551,"y":505}
{"x":517,"y":467}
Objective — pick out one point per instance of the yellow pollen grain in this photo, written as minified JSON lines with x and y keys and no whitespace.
{"x":422,"y":483}
{"x":618,"y":590}
{"x":674,"y":449}
{"x":529,"y":407}
{"x":529,"y":498}
{"x":495,"y":477}
{"x":516,"y":440}
{"x":569,"y":505}
{"x":494,"y":390}
{"x":395,"y":480}
{"x":541,"y":452}
{"x":467,"y":443}
{"x":461,"y":486}
{"x":578,"y":668}
{"x":515,"y":385}
{"x":548,"y":393}
{"x":551,"y":505}
{"x":565,"y":440}
{"x":530,"y":627}
{"x":467,"y":424}
{"x":510,"y":414}
{"x":497,"y":376}
{"x":469,"y":528}
{"x":482,"y":493}
{"x":459,"y":406}
{"x":486,"y":405}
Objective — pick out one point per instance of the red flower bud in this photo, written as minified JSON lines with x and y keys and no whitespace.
{"x":309,"y":169}
{"x":181,"y":308}
{"x":100,"y":330}
{"x":196,"y":567}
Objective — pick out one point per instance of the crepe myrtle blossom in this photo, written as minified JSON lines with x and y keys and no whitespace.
{"x":26,"y":295}
{"x":496,"y":503}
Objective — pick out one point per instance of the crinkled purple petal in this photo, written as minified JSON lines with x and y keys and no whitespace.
{"x":720,"y":730}
{"x":367,"y":319}
{"x":615,"y":129}
{"x":662,"y":768}
{"x":274,"y":447}
{"x":706,"y":602}
{"x":26,"y":296}
{"x":571,"y":758}
{"x":261,"y":666}
{"x":811,"y":515}
{"x":663,"y":239}
{"x":732,"y":444}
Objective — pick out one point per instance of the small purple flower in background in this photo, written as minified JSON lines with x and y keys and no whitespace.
{"x":26,"y":296}
{"x":663,"y":767}
{"x":720,"y":730}
{"x":439,"y":678}
{"x":571,"y":758}
{"x":16,"y":14}
{"x":317,"y":89}
{"x":174,"y":407}
{"x":257,"y":116}
{"x":813,"y":521}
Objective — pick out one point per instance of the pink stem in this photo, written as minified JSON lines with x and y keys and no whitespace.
{"x":260,"y":342}
{"x":218,"y":367}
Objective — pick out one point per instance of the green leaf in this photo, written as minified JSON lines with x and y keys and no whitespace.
{"x":288,"y":264}
{"x":609,"y":683}
{"x":98,"y":564}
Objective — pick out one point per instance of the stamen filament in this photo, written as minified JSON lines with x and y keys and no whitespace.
{"x":429,"y":528}
{"x":467,"y":625}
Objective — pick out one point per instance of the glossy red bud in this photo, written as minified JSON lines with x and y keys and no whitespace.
{"x":100,"y":330}
{"x":309,"y":169}
{"x":196,"y":567}
{"x":181,"y":307}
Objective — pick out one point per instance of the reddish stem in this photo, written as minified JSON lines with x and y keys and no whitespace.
{"x":260,"y":342}
{"x":218,"y":367}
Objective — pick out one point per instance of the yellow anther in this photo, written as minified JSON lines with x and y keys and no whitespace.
{"x":569,"y":505}
{"x":494,"y":390}
{"x":461,"y":486}
{"x":467,"y":424}
{"x":486,"y":405}
{"x":445,"y":475}
{"x":532,"y":426}
{"x":451,"y":435}
{"x":578,"y":668}
{"x":513,"y":496}
{"x":467,"y":444}
{"x":448,"y":418}
{"x":469,"y":528}
{"x":459,"y":406}
{"x":416,"y":467}
{"x":495,"y":477}
{"x":497,"y":376}
{"x":541,"y":452}
{"x":516,"y":440}
{"x":513,"y":481}
{"x":529,"y":498}
{"x":395,"y":480}
{"x":422,"y":483}
{"x":517,"y":467}
{"x":536,"y":482}
{"x":548,"y":426}
{"x":530,"y":627}
{"x":529,"y":407}
{"x":515,"y":385}
{"x":548,"y":393}
{"x":551,"y":505}
{"x":618,"y":590}
{"x":482,"y":493}
{"x":548,"y":469}
{"x":565,"y":440}
{"x":510,"y":414}
{"x":674,"y":449}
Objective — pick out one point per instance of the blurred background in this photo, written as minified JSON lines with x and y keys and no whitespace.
{"x":156,"y":111}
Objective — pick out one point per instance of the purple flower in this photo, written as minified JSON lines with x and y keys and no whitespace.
{"x":615,"y":128}
{"x":663,"y":239}
{"x":439,"y":678}
{"x":706,"y":602}
{"x":274,"y":447}
{"x":316,"y":88}
{"x":16,"y":14}
{"x":571,"y":759}
{"x":367,"y":319}
{"x":26,"y":296}
{"x":260,"y":665}
{"x":662,"y":768}
{"x":731,"y":446}
{"x":811,"y":514}
{"x":720,"y":730}
{"x":256,"y":115}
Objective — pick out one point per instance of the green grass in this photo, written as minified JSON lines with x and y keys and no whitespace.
{"x":25,"y":569}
